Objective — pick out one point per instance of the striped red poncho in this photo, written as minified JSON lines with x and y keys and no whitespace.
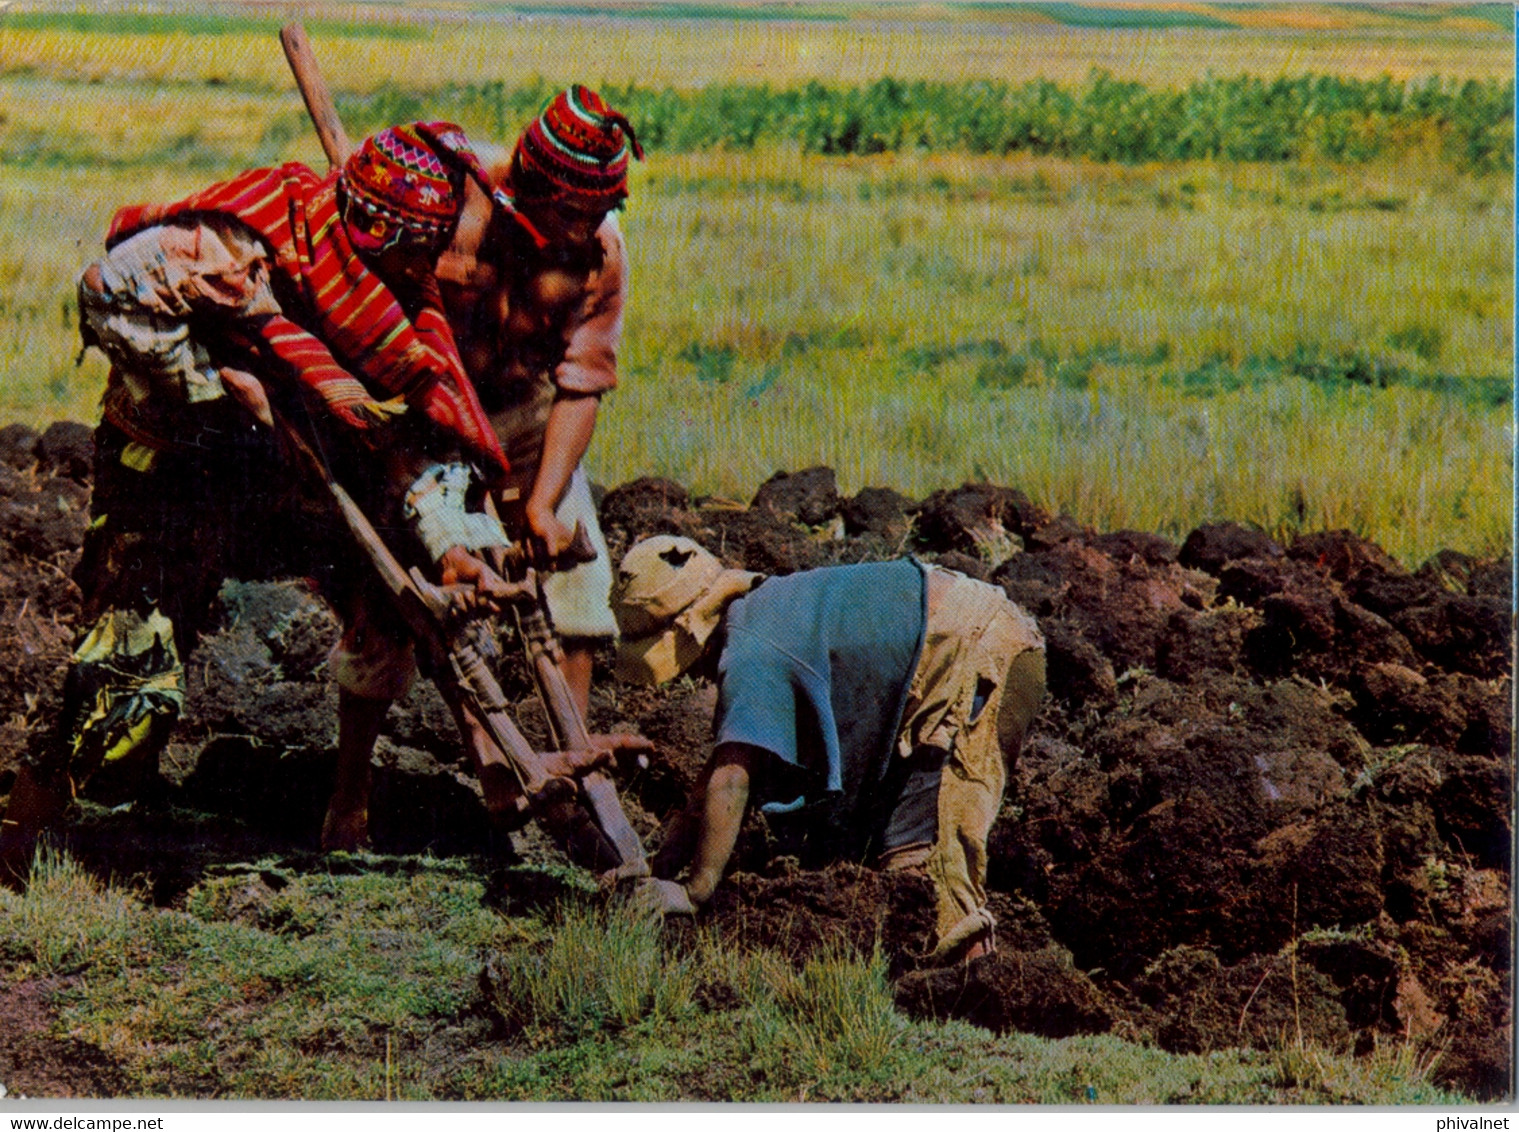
{"x":353,"y":323}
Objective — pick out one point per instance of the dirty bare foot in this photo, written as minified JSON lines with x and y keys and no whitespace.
{"x":977,"y":950}
{"x":345,"y":830}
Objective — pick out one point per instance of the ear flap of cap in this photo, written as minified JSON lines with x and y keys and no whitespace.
{"x":657,"y":657}
{"x":701,"y":618}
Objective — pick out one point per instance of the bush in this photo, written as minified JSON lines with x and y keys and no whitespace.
{"x":1419,"y":338}
{"x":839,"y":1019}
{"x":1245,"y":118}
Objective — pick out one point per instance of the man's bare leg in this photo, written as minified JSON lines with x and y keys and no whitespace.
{"x":578,"y":654}
{"x":360,"y":720}
{"x":35,"y":804}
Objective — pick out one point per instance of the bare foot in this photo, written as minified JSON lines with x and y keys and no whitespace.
{"x":976,"y":950}
{"x":345,"y":831}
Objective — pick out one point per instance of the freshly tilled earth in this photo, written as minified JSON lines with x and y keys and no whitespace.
{"x":1270,"y":793}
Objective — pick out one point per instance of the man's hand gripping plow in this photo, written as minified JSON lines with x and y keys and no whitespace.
{"x":448,"y":624}
{"x":572,"y":737}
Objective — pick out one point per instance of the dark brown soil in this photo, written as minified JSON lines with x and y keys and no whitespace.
{"x":1272,"y":785}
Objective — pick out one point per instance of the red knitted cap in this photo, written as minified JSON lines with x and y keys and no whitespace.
{"x":576,"y":152}
{"x":400,"y":187}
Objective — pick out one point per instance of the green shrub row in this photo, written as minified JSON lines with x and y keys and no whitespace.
{"x":1245,"y":118}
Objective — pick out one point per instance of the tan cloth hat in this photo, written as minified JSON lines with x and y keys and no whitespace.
{"x":669,"y":598}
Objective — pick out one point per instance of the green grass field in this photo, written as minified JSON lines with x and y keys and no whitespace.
{"x":1302,"y":342}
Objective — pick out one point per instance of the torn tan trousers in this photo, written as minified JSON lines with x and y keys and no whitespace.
{"x":976,"y":688}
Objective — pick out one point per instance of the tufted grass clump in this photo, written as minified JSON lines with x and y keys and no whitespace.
{"x":68,"y":921}
{"x":598,"y":972}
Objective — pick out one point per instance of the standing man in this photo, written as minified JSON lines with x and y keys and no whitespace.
{"x":323,"y":288}
{"x":535,"y":297}
{"x":873,"y":712}
{"x":539,"y":323}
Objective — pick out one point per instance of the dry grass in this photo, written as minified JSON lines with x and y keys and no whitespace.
{"x":912,"y":320}
{"x":688,"y":55}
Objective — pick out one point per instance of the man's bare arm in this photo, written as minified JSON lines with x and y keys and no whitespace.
{"x":572,"y":420}
{"x":726,"y":799}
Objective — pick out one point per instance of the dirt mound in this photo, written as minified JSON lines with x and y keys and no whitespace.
{"x":977,"y":519}
{"x":641,"y":509}
{"x":878,"y":511}
{"x":1033,"y":992}
{"x":1120,"y":606}
{"x":1213,"y":544}
{"x":43,"y":515}
{"x":1191,"y":1003}
{"x":815,"y":912}
{"x":1271,"y":789}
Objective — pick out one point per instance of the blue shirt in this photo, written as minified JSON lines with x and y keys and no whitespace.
{"x":815,"y":669}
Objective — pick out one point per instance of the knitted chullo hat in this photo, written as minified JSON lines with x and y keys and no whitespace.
{"x":397,"y":190}
{"x":405,"y":185}
{"x":576,"y":153}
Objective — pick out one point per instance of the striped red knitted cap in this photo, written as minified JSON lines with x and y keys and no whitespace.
{"x":404,"y":186}
{"x":576,"y":153}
